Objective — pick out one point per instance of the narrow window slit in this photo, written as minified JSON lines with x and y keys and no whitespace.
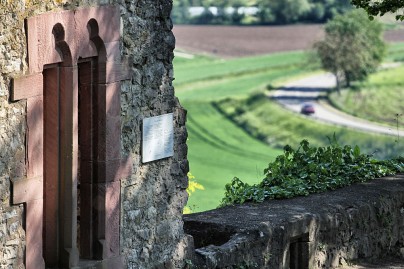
{"x":299,"y":252}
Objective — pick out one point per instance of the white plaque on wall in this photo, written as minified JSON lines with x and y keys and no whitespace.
{"x":157,"y":138}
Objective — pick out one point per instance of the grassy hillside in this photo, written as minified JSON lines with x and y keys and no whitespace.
{"x":219,"y":149}
{"x":205,"y":68}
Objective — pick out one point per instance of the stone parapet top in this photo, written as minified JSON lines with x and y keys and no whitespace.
{"x":324,"y":230}
{"x":250,"y":216}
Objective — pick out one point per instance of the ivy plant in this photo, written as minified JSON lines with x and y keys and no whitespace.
{"x":311,"y":170}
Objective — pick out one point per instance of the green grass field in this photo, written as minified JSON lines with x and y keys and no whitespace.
{"x":218,"y":151}
{"x":204,"y":68}
{"x":395,"y":53}
{"x":218,"y":148}
{"x":222,"y":147}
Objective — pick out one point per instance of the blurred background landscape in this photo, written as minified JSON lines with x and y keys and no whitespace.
{"x":231,"y":56}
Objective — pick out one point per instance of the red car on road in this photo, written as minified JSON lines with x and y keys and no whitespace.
{"x":307,"y":109}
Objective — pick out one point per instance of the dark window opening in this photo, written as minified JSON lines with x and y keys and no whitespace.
{"x":51,"y":166}
{"x":87,"y":150}
{"x":299,"y":252}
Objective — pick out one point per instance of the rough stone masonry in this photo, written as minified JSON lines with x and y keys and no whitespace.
{"x":326,"y":230}
{"x":153,"y":194}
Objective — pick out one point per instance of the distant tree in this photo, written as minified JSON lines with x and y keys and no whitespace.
{"x":180,"y":12}
{"x":335,"y":7}
{"x":236,"y":17}
{"x":381,"y":7}
{"x":282,"y":11}
{"x":353,"y":47}
{"x":323,"y":10}
{"x":269,"y":11}
{"x":205,"y":18}
{"x":290,"y":11}
{"x":317,"y":12}
{"x":265,"y":14}
{"x":221,"y":17}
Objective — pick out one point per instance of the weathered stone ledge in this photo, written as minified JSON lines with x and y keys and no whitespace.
{"x":319,"y":231}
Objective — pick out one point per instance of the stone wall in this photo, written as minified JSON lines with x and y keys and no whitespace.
{"x":12,"y":132}
{"x":363,"y":221}
{"x":154,"y":195}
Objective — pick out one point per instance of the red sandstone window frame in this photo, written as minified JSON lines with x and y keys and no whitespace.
{"x":58,"y":42}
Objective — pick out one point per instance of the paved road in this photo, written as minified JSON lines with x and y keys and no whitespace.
{"x":310,"y":90}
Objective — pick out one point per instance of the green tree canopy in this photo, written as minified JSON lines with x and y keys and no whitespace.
{"x":284,"y":11}
{"x":180,"y":11}
{"x":269,"y":12}
{"x":323,"y":10}
{"x":381,"y":7}
{"x":353,"y":47}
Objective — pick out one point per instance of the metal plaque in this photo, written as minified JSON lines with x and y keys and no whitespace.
{"x":157,"y":138}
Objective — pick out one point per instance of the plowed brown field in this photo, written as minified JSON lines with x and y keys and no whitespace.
{"x":240,"y":41}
